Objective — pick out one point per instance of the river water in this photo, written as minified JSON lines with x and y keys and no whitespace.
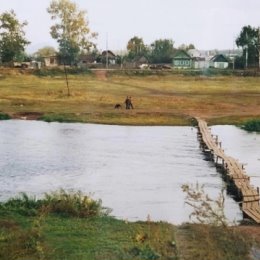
{"x":136,"y":171}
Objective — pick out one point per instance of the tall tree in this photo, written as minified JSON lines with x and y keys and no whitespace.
{"x":162,"y":51}
{"x":136,"y":48}
{"x":248,"y":40}
{"x":71,"y":31}
{"x":12,"y":37}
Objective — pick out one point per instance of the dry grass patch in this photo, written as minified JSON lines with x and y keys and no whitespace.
{"x":160,"y":96}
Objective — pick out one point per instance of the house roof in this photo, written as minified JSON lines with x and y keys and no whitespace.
{"x":219,"y":58}
{"x":141,"y":59}
{"x":181,"y":54}
{"x":110,"y":53}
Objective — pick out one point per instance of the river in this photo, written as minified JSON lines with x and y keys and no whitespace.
{"x":136,"y":171}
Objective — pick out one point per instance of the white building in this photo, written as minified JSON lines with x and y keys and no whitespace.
{"x":219,"y":61}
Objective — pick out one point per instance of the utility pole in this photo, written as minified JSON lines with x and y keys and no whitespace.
{"x":234,"y":57}
{"x":246,"y":49}
{"x":64,"y":62}
{"x":107,"y":52}
{"x":258,"y":47}
{"x":121,"y":58}
{"x":246,"y":56}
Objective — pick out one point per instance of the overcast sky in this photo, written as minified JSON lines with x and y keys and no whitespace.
{"x":208,"y":24}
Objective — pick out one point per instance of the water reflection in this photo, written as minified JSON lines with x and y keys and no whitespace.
{"x":135,"y":170}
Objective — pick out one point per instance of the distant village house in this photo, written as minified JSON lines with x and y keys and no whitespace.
{"x":108,"y":56}
{"x":219,"y":61}
{"x":51,"y":61}
{"x":182,"y":60}
{"x":199,"y":59}
{"x":86,"y":60}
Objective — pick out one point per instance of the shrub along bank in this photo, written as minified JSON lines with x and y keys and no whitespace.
{"x":252,"y":125}
{"x":4,"y":116}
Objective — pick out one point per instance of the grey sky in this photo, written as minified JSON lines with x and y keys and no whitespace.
{"x":209,"y":24}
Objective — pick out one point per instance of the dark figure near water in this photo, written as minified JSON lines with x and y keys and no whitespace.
{"x":128,"y":103}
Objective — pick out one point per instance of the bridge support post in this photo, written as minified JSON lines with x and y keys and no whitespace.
{"x":257,"y":190}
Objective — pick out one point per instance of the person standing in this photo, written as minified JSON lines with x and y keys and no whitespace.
{"x":130,"y":103}
{"x":127,"y":103}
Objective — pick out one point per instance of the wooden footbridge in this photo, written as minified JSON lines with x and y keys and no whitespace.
{"x":234,"y":172}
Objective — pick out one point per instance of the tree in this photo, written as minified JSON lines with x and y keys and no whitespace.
{"x":191,"y":46}
{"x":45,"y":52}
{"x":71,"y":31}
{"x":186,"y":47}
{"x":12,"y":37}
{"x":248,"y":40}
{"x":136,"y":48}
{"x":162,"y":51}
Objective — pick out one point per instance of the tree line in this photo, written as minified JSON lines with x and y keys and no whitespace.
{"x":160,"y":51}
{"x":72,"y":32}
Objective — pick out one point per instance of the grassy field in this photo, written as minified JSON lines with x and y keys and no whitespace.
{"x":51,"y":230}
{"x":162,"y":99}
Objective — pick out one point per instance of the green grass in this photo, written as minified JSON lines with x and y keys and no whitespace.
{"x":61,"y":118}
{"x":54,"y":231}
{"x":73,"y":226}
{"x":66,"y":225}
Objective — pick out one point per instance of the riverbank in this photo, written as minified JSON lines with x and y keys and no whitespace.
{"x":158,"y":99}
{"x":56,"y":229}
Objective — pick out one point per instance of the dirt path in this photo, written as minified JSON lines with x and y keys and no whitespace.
{"x":101,"y":74}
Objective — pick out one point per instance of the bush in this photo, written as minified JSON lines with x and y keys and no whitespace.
{"x":71,"y":204}
{"x":59,"y":71}
{"x":24,"y":205}
{"x":4,"y":116}
{"x":252,"y":125}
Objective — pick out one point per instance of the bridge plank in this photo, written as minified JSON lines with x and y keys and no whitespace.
{"x":235,"y":171}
